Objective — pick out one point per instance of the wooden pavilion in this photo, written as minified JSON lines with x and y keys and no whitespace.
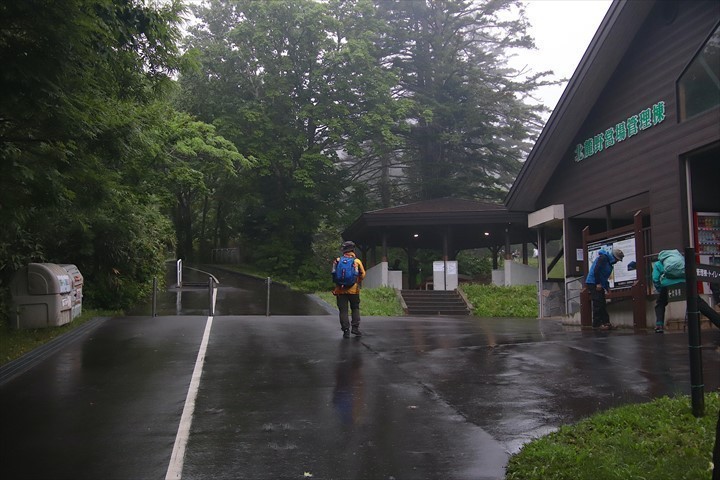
{"x":448,"y":225}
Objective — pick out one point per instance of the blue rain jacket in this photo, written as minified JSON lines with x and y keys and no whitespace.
{"x":601,"y":269}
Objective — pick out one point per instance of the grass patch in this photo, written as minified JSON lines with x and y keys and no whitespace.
{"x":15,"y":343}
{"x":374,"y":302}
{"x":496,"y":301}
{"x":487,"y":301}
{"x":659,"y":440}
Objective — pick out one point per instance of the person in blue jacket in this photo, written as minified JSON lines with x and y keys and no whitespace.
{"x":598,"y":284}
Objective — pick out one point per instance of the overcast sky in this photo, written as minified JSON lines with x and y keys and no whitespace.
{"x":562,"y":30}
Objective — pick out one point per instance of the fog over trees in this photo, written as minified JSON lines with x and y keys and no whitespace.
{"x":129,"y":134}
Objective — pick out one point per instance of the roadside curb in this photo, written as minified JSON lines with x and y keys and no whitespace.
{"x":33,"y":357}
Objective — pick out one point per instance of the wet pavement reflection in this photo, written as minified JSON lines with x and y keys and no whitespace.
{"x":237,"y":294}
{"x":286,"y":397}
{"x":348,"y":395}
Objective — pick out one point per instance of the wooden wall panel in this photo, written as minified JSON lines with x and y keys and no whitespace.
{"x":650,"y":161}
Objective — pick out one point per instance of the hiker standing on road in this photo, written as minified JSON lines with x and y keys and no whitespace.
{"x":667,"y":271}
{"x":348,"y":273}
{"x":598,"y":283}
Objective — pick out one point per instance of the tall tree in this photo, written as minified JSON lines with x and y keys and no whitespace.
{"x":470,"y":124}
{"x":194,"y":165}
{"x":291,"y":84}
{"x":76,"y":77}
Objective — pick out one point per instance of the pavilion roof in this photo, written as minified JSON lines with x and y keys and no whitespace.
{"x":468,"y":224}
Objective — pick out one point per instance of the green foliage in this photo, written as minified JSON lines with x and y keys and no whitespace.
{"x":469,"y":124}
{"x":474,"y":264}
{"x":197,"y":168}
{"x":661,"y":440}
{"x":120,"y":252}
{"x":381,"y":301}
{"x":300,"y":116}
{"x":496,"y":301}
{"x":264,"y":82}
{"x":359,"y":104}
{"x":77,"y":79}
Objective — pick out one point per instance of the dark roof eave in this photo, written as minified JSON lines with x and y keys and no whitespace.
{"x":609,"y":44}
{"x":369,"y":220}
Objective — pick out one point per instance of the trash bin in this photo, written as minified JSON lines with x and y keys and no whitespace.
{"x":41,"y":296}
{"x":76,"y":280}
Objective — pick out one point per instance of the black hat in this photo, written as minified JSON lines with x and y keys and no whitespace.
{"x":348,"y":246}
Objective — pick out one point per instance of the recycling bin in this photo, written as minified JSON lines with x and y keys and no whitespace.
{"x":41,"y":296}
{"x":76,"y":280}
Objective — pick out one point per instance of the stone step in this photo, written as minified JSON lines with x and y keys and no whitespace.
{"x":430,"y":302}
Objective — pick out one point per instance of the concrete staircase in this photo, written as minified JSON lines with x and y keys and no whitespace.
{"x":434,"y":302}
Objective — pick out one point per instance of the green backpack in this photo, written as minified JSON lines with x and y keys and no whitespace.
{"x":673,"y":264}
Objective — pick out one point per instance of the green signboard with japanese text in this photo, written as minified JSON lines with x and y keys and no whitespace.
{"x":621,"y":131}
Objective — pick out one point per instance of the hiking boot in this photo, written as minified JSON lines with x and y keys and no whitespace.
{"x":659,"y":330}
{"x":607,"y":326}
{"x":346,"y":333}
{"x":356,"y":331}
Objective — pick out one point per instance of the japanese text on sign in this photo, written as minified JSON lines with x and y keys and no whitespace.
{"x":708,"y":273}
{"x":634,"y":124}
{"x":676,"y":293}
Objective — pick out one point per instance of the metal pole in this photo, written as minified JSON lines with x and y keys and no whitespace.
{"x":267,"y":303}
{"x":696,"y":374}
{"x":154,"y":297}
{"x":211,"y":288}
{"x":179,"y":272}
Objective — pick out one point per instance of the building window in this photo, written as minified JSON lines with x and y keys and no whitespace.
{"x":699,"y":85}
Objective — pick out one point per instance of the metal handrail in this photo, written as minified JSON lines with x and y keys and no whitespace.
{"x":568,"y":299}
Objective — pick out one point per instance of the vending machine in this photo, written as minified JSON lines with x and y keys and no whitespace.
{"x":707,"y":241}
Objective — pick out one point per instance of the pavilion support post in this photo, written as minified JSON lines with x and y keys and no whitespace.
{"x":384,"y":247}
{"x":445,"y":258}
{"x":541,"y":271}
{"x":508,"y":252}
{"x":412,"y":268}
{"x":495,"y":250}
{"x":524,"y":253}
{"x":445,"y":246}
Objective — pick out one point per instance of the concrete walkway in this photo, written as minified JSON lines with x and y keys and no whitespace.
{"x":285,"y":397}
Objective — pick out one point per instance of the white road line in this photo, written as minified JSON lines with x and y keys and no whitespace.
{"x":177,"y":458}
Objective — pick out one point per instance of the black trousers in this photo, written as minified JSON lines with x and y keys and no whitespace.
{"x":353,"y":300}
{"x":599,"y":307}
{"x":703,"y":308}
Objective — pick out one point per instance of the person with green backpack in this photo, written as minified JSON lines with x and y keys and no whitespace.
{"x":669,"y":270}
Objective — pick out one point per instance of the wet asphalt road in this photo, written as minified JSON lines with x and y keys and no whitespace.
{"x":237,"y":294}
{"x":284,"y":397}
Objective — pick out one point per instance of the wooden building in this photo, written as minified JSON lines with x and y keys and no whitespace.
{"x":636,"y":134}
